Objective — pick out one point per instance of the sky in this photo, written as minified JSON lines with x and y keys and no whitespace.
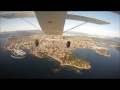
{"x":111,"y":30}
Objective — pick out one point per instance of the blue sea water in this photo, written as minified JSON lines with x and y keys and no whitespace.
{"x":32,"y":67}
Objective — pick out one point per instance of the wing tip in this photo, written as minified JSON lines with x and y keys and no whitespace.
{"x":107,"y":23}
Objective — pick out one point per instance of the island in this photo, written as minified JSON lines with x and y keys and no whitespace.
{"x":55,"y":48}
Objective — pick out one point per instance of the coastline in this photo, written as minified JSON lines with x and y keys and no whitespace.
{"x":83,"y":67}
{"x":17,"y":57}
{"x":71,"y":65}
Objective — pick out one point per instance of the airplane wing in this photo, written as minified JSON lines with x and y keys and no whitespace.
{"x":52,"y":22}
{"x":18,"y":14}
{"x":117,"y":12}
{"x":86,"y":19}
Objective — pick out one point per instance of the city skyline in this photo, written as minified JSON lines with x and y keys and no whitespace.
{"x":111,"y":30}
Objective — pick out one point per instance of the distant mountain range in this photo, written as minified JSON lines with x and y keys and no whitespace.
{"x":20,"y":33}
{"x":71,"y":33}
{"x":116,"y":39}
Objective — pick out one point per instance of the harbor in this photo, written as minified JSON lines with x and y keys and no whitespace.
{"x":18,"y":54}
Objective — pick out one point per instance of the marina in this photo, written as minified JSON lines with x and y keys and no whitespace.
{"x":18,"y":54}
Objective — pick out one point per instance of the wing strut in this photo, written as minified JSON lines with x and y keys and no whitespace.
{"x":42,"y":38}
{"x":28,"y":22}
{"x":75,"y":27}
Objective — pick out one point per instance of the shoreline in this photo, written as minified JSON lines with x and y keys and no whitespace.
{"x":65,"y":64}
{"x":70,"y":64}
{"x":17,"y":57}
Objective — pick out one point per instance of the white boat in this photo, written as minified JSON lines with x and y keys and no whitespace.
{"x":18,"y":52}
{"x":17,"y":57}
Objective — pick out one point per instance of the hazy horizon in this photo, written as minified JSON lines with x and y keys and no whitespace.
{"x":72,"y":33}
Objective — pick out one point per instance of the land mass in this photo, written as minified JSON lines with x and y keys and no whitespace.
{"x":56,"y":48}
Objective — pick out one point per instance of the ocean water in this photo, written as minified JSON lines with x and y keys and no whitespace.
{"x":32,"y":67}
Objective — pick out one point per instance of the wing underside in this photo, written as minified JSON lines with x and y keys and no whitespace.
{"x":18,"y":14}
{"x":52,"y":22}
{"x":86,"y":19}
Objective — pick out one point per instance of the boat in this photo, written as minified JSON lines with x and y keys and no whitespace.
{"x":18,"y":52}
{"x":17,"y":57}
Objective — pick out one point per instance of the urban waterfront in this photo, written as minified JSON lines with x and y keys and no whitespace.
{"x":35,"y":67}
